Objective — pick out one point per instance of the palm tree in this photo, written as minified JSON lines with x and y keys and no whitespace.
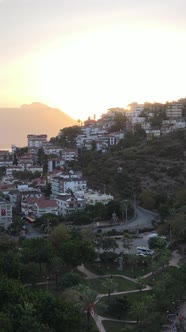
{"x":87,"y":300}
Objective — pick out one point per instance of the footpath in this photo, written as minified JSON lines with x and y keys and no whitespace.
{"x":174,"y":261}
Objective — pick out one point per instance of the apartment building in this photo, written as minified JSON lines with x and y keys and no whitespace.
{"x":64,"y":182}
{"x":174,"y":110}
{"x":36,"y":141}
{"x":68,"y":204}
{"x":5,"y":213}
{"x":37,"y":207}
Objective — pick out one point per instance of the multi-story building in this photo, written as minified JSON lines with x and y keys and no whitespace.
{"x":64,"y":182}
{"x":68,"y":204}
{"x":55,"y":163}
{"x":51,"y":149}
{"x":153,"y":132}
{"x":5,"y":213}
{"x":36,"y":141}
{"x":136,"y":108}
{"x":69,"y":154}
{"x":174,"y":110}
{"x":37,"y":207}
{"x":22,"y":191}
{"x":25,"y":161}
{"x":5,"y":158}
{"x":13,"y":168}
{"x":93,"y":197}
{"x":23,"y":168}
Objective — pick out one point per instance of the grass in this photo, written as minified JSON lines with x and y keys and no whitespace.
{"x":125,"y":315}
{"x":121,"y":284}
{"x":102,"y":269}
{"x":159,"y":275}
{"x":114,"y":326}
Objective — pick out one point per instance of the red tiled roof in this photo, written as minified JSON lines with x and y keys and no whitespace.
{"x":41,"y":202}
{"x":44,"y":203}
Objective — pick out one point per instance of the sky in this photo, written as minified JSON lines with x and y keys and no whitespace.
{"x":85,"y":56}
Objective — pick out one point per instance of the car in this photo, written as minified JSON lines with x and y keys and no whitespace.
{"x":145,"y":251}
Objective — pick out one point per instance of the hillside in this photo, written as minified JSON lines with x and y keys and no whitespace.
{"x":158,"y":165}
{"x":17,"y":123}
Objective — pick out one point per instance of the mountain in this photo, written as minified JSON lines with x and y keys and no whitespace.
{"x":37,"y":118}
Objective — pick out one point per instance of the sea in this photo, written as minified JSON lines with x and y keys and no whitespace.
{"x":7,"y":148}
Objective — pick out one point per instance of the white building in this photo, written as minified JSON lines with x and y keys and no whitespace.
{"x":174,"y":110}
{"x":92,"y":197}
{"x":51,"y":149}
{"x":55,"y":163}
{"x":61,"y":184}
{"x":5,"y":213}
{"x":68,"y":204}
{"x":136,"y":109}
{"x":22,"y":191}
{"x":14,"y":168}
{"x":37,"y":207}
{"x":69,"y":154}
{"x":36,"y":141}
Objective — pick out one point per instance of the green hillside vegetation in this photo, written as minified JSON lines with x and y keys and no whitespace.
{"x":154,"y":168}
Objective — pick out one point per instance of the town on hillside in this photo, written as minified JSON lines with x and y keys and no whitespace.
{"x":46,"y":162}
{"x":94,"y":219}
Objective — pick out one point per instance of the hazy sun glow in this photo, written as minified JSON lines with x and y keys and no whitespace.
{"x":86,"y":71}
{"x":88,"y":74}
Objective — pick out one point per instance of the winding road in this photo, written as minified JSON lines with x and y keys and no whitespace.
{"x":143,"y":219}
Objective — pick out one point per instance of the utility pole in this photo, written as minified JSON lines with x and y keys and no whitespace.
{"x":126,"y":209}
{"x":134,"y":204}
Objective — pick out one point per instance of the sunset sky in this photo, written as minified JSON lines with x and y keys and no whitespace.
{"x":85,"y":56}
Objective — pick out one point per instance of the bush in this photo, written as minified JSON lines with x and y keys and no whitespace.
{"x":70,"y":279}
{"x":157,"y":242}
{"x":108,"y":257}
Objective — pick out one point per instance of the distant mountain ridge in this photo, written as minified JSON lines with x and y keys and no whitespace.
{"x":36,"y":118}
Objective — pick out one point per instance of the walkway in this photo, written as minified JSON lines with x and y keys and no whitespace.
{"x":99,"y":319}
{"x":88,"y":274}
{"x":174,"y":261}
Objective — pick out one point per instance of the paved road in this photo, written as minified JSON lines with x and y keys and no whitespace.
{"x":33,"y":232}
{"x":143,"y":219}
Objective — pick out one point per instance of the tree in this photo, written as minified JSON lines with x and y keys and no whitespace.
{"x":178,"y":226}
{"x":47,"y":190}
{"x":70,"y":279}
{"x":87,"y":299}
{"x":56,"y":266}
{"x":59,"y":315}
{"x":147,"y":198}
{"x":5,"y":322}
{"x":118,"y":305}
{"x":109,"y":243}
{"x":110,"y":285}
{"x":21,"y":151}
{"x":15,"y":160}
{"x":157,"y":242}
{"x":140,"y":283}
{"x":8,"y":242}
{"x":58,"y":236}
{"x":30,"y":273}
{"x":42,"y":159}
{"x":138,"y":308}
{"x":67,"y":136}
{"x":37,"y":250}
{"x":10,"y":264}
